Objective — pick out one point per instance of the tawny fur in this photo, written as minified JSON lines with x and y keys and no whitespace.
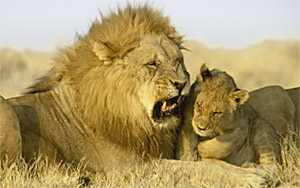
{"x":10,"y":137}
{"x":240,"y":134}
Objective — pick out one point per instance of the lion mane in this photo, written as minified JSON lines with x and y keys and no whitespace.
{"x":100,"y":87}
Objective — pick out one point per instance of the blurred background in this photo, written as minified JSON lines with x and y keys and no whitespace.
{"x":257,"y":42}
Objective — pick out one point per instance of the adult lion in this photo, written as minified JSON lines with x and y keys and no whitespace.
{"x":112,"y":99}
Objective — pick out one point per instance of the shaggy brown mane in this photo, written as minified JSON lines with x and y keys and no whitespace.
{"x":120,"y":31}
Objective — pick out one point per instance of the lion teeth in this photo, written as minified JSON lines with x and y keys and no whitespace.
{"x":174,"y":105}
{"x":164,"y":106}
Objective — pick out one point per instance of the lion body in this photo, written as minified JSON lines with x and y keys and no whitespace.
{"x":111,"y":100}
{"x":294,"y":94}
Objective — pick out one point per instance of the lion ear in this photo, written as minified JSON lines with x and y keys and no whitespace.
{"x":239,"y":97}
{"x":204,"y":73}
{"x":103,"y":51}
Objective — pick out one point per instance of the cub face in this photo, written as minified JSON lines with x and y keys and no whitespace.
{"x":215,"y":104}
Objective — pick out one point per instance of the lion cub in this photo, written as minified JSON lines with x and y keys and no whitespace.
{"x":229,"y":128}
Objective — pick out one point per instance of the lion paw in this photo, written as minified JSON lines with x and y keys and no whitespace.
{"x":253,"y":181}
{"x":250,"y":165}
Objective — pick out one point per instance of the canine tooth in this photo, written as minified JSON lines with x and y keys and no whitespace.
{"x":164,"y":106}
{"x":174,"y":105}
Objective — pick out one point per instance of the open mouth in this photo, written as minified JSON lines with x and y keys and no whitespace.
{"x":167,"y":108}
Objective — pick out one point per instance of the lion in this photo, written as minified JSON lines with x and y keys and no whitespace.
{"x":294,"y":94}
{"x":112,"y":100}
{"x":227,"y":126}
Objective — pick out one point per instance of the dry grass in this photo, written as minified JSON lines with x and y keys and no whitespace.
{"x":290,"y":168}
{"x":19,"y":68}
{"x":271,"y":62}
{"x":43,"y":174}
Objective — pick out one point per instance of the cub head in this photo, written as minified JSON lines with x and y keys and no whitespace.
{"x":218,"y":99}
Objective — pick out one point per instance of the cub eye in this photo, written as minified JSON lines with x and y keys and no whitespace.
{"x":216,"y":113}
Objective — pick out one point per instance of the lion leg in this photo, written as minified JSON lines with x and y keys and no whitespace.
{"x":187,"y":145}
{"x":246,"y":169}
{"x":10,"y":136}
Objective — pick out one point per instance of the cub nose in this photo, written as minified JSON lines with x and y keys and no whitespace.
{"x":198,"y":125}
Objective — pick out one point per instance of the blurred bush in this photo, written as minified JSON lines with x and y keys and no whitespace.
{"x":272,"y":62}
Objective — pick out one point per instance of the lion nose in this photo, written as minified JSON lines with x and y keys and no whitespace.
{"x":178,"y":85}
{"x":183,"y":87}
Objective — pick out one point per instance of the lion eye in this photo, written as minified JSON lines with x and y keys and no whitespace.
{"x":152,"y":63}
{"x":198,"y":105}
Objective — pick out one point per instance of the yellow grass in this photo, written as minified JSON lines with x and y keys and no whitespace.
{"x":43,"y":174}
{"x":18,"y":69}
{"x":272,"y":62}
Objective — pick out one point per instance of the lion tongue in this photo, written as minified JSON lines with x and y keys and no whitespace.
{"x":168,"y":106}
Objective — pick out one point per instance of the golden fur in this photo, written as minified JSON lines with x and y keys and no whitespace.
{"x":97,"y":82}
{"x":111,"y":100}
{"x":229,"y":128}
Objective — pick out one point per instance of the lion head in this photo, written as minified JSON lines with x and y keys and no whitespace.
{"x":127,"y":75}
{"x":215,"y":104}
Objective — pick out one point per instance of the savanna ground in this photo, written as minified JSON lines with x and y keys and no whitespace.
{"x":271,"y":62}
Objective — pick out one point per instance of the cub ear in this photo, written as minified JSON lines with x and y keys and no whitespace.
{"x":239,"y":97}
{"x":103,"y":51}
{"x":204,"y":72}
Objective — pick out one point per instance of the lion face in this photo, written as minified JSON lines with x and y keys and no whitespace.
{"x":216,"y":103}
{"x":162,"y":77}
{"x":152,"y":76}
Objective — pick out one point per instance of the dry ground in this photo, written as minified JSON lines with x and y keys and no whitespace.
{"x":155,"y":176}
{"x":269,"y":63}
